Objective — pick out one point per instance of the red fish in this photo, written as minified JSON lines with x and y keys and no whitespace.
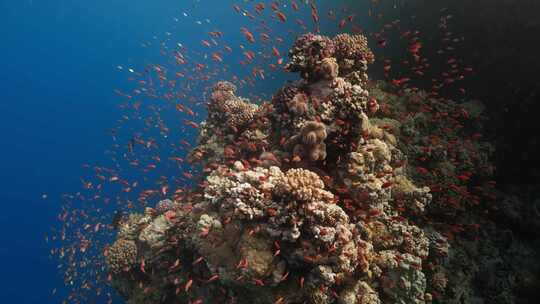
{"x":249,"y":36}
{"x":294,"y":5}
{"x":387,"y":184}
{"x":188,"y":285}
{"x":191,"y":124}
{"x":281,"y":16}
{"x":275,"y":51}
{"x":217,"y":57}
{"x":415,"y":47}
{"x":259,"y":8}
{"x":315,"y":15}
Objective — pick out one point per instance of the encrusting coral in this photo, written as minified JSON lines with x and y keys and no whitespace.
{"x":312,"y":203}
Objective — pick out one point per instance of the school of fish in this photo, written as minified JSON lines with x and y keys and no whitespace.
{"x":335,"y":189}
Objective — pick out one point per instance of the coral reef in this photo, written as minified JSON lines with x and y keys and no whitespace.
{"x":232,"y":123}
{"x":335,"y":191}
{"x":309,"y":143}
{"x":121,"y":255}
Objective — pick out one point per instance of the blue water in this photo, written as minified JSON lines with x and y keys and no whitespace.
{"x":58,"y":64}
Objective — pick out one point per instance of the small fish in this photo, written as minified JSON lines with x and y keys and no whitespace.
{"x":188,"y":285}
{"x":294,"y":5}
{"x":275,"y":51}
{"x":248,"y":35}
{"x":281,"y":16}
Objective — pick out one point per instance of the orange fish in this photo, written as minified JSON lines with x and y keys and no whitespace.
{"x":212,"y":278}
{"x":188,"y":285}
{"x":249,"y":36}
{"x":191,"y":124}
{"x":275,"y":51}
{"x":217,"y":57}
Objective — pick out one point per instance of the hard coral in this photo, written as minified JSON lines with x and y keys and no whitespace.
{"x":329,"y":68}
{"x":314,"y":202}
{"x":302,"y":185}
{"x":353,"y":47}
{"x":121,"y":255}
{"x":226,"y":107}
{"x":238,"y":112}
{"x":308,"y":52}
{"x":227,"y":126}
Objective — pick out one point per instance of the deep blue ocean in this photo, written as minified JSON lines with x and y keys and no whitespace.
{"x":58,"y":73}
